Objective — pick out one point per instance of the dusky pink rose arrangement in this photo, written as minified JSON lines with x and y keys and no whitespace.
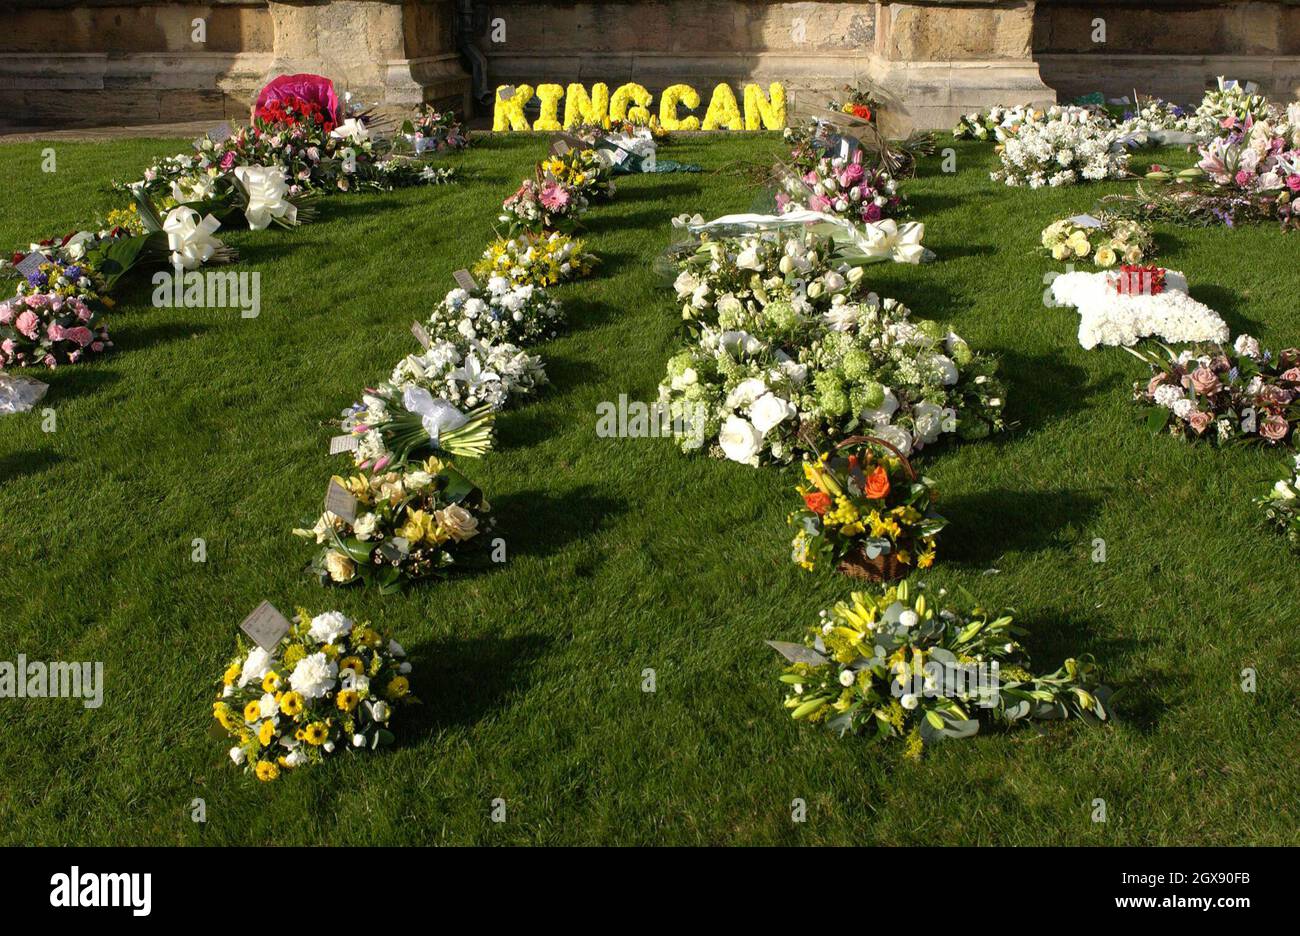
{"x":45,"y":330}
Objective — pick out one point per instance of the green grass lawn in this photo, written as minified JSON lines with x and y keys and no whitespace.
{"x":626,"y":555}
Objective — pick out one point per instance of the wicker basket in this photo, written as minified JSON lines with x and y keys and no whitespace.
{"x":885,"y":567}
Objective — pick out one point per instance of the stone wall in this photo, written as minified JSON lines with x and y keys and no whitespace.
{"x":136,"y":61}
{"x":1171,"y":48}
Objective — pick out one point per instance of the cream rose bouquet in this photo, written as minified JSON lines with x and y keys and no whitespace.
{"x":331,"y":684}
{"x":501,"y":311}
{"x":410,"y":525}
{"x":1105,"y":243}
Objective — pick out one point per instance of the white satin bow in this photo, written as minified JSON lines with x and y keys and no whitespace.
{"x":189,"y":238}
{"x":436,"y":414}
{"x":866,"y":243}
{"x":267,"y":191}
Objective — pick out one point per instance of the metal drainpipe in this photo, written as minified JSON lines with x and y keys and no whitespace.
{"x":465,"y":44}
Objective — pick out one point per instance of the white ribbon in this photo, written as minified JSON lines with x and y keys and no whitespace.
{"x":190,"y":239}
{"x":267,"y":196}
{"x":436,"y":414}
{"x":864,"y":243}
{"x":352,"y":130}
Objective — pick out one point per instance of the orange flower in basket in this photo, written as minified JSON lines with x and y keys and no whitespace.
{"x":877,"y":484}
{"x":817,"y":502}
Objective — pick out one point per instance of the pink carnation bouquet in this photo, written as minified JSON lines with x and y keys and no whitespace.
{"x":48,"y":330}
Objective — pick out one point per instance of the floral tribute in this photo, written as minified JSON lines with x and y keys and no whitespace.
{"x":410,"y":525}
{"x":1103,"y":241}
{"x":632,"y":102}
{"x":788,"y":355}
{"x":48,"y":329}
{"x":842,"y":187}
{"x":1119,"y":307}
{"x":331,"y":684}
{"x":1224,"y":394}
{"x":540,"y":207}
{"x":1079,"y":148}
{"x":533,"y":259}
{"x":1281,"y":505}
{"x":891,"y":663}
{"x":499,"y":312}
{"x":433,"y":130}
{"x":866,"y":514}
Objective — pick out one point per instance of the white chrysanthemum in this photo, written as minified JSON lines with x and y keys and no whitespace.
{"x":329,"y":627}
{"x":313,"y":676}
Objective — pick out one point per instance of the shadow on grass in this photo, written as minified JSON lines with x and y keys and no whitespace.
{"x":985,"y":526}
{"x":459,"y":680}
{"x":16,"y":465}
{"x":71,"y":382}
{"x":152,"y":335}
{"x":1045,"y":388}
{"x":540,"y":522}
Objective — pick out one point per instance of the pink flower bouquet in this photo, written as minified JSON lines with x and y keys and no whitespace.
{"x":48,"y":330}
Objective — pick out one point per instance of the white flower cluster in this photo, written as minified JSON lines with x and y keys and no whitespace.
{"x":467,"y":374}
{"x":502,"y":312}
{"x":1108,"y":318}
{"x":1072,"y":149}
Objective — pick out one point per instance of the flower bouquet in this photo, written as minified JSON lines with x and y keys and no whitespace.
{"x":583,"y":171}
{"x":472,"y":373}
{"x":1104,"y":241}
{"x":1118,"y":307}
{"x":410,"y":525}
{"x":1242,"y":393}
{"x":858,"y":102}
{"x":500,"y":312}
{"x":891,"y":664}
{"x":1281,"y":505}
{"x":536,"y":259}
{"x":1062,"y":151}
{"x":432,"y":130}
{"x":1156,"y":122}
{"x":543,"y":206}
{"x":841,"y":187}
{"x":868,"y":515}
{"x":394,"y":423}
{"x":771,"y":380}
{"x":330,"y":684}
{"x":1230,"y":106}
{"x":47,"y":329}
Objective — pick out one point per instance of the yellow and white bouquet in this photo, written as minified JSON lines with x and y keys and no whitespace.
{"x":409,"y":525}
{"x":329,"y":684}
{"x":1103,"y":241}
{"x":534,"y":259}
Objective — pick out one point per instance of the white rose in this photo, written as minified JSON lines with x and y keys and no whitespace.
{"x":768,"y":411}
{"x":740,"y":441}
{"x":882,"y":413}
{"x":947,"y":369}
{"x":748,"y":259}
{"x":1284,"y":490}
{"x":909,"y":701}
{"x":328,"y":627}
{"x":745,"y":393}
{"x":380,"y":711}
{"x":847,"y":678}
{"x":896,"y":436}
{"x":396,"y":649}
{"x":237,"y":755}
{"x":908,"y":619}
{"x":267,"y":706}
{"x":358,"y":740}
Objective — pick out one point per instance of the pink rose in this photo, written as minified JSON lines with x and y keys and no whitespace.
{"x":1273,"y":395}
{"x":97,"y":346}
{"x":54,"y":331}
{"x":818,"y":203}
{"x":228,"y":160}
{"x":850,"y":175}
{"x":1293,"y":182}
{"x":1157,"y":381}
{"x":6,"y":314}
{"x":1274,"y":428}
{"x":1204,"y":381}
{"x":1200,"y":420}
{"x":49,"y":361}
{"x":871,"y":212}
{"x":27,"y":324}
{"x":81,"y":335}
{"x":7,"y":346}
{"x":1292,"y":375}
